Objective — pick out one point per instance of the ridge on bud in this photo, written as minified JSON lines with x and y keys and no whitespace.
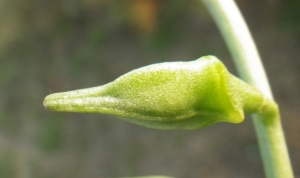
{"x":171,"y":95}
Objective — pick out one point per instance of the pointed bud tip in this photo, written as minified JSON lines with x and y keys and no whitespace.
{"x":51,"y":102}
{"x":47,"y":104}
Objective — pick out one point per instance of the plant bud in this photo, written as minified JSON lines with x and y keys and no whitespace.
{"x":171,"y":95}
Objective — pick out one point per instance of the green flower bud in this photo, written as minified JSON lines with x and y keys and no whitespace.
{"x":171,"y":95}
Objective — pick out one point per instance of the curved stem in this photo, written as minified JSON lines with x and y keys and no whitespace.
{"x":267,"y":124}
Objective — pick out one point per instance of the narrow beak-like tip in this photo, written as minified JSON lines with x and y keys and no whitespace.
{"x":50,"y":102}
{"x":46,"y":104}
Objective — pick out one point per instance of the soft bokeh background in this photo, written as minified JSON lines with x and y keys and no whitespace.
{"x":49,"y":46}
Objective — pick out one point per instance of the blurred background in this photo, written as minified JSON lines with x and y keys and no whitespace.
{"x":49,"y":46}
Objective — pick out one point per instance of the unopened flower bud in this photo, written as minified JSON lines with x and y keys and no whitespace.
{"x":171,"y":95}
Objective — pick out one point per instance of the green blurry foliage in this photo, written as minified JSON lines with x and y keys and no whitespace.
{"x":50,"y":136}
{"x":7,"y":166}
{"x":290,"y":14}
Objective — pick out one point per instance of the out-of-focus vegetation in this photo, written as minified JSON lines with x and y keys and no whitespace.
{"x":53,"y":46}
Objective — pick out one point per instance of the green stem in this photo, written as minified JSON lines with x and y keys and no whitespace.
{"x":267,"y":124}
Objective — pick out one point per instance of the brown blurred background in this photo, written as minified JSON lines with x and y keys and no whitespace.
{"x":49,"y":46}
